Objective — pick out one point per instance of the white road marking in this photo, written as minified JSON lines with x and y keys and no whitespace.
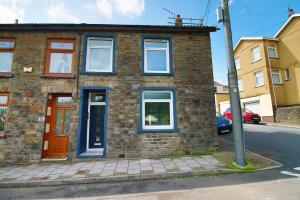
{"x":297,"y":168}
{"x":290,"y":173}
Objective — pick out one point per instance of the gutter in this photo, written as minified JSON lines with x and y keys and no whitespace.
{"x":106,"y":27}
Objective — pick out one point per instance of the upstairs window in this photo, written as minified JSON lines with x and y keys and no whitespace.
{"x":3,"y":111}
{"x":255,"y":54}
{"x":276,"y":77}
{"x":272,"y":51}
{"x":287,"y":74}
{"x":99,"y":54}
{"x":7,"y":48}
{"x":237,"y":63}
{"x":259,"y":79}
{"x":240,"y":85}
{"x":60,"y":56}
{"x":156,"y":56}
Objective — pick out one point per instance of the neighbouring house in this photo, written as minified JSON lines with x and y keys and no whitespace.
{"x":104,"y":91}
{"x":221,"y":97}
{"x":268,"y":72}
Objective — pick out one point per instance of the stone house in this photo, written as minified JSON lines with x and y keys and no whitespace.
{"x":104,"y":91}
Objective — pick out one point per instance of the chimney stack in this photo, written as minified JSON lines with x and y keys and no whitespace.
{"x":290,"y":11}
{"x":16,"y":21}
{"x":178,"y":21}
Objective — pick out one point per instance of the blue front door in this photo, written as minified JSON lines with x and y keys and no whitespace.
{"x":96,"y":128}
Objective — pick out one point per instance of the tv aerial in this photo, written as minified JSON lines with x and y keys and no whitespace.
{"x":186,"y":21}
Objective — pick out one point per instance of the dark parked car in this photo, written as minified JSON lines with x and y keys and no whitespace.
{"x":224,"y":125}
{"x":248,"y":116}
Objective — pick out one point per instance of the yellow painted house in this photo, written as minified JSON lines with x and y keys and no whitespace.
{"x":221,"y":95}
{"x":268,"y":72}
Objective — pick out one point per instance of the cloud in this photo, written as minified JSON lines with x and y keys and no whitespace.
{"x":231,"y":2}
{"x":12,"y":9}
{"x":129,"y":8}
{"x":57,"y":12}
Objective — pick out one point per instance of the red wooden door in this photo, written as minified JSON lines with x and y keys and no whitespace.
{"x":59,"y":131}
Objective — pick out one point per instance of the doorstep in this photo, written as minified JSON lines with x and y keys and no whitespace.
{"x":107,"y":171}
{"x":54,"y":159}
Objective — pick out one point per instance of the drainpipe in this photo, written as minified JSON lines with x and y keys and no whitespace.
{"x":78,"y":65}
{"x":273,"y":87}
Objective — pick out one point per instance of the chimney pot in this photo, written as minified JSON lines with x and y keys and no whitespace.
{"x":178,"y":21}
{"x":290,"y":11}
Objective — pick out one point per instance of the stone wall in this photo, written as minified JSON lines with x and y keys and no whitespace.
{"x":193,"y":79}
{"x":288,"y":115}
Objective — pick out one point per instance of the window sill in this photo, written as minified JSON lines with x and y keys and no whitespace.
{"x":156,"y":74}
{"x":277,"y":83}
{"x":287,"y":79}
{"x":255,"y":61}
{"x":98,"y":73}
{"x":274,"y":58}
{"x":64,"y":76}
{"x":257,"y":86}
{"x":158,"y":130}
{"x":6,"y":75}
{"x":89,"y":156}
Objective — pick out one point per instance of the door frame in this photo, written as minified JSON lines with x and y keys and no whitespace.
{"x":88,"y":121}
{"x":83,"y":121}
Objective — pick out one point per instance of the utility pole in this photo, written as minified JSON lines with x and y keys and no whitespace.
{"x":237,"y":123}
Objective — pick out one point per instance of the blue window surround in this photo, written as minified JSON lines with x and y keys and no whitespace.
{"x":163,"y":37}
{"x":82,"y":120}
{"x":173,"y":89}
{"x":84,"y":53}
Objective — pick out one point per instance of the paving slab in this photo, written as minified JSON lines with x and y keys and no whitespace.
{"x":104,"y":171}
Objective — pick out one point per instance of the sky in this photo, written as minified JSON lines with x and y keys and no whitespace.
{"x":248,"y":17}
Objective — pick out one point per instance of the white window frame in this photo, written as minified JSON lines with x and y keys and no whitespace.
{"x":256,"y":50}
{"x":240,"y":85}
{"x":99,"y":47}
{"x":167,"y":49}
{"x":237,"y":63}
{"x":276,"y":72}
{"x":170,"y":101}
{"x":272,"y":46}
{"x":262,"y":75}
{"x":286,"y":77}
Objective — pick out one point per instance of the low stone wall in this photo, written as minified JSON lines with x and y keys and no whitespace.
{"x":288,"y":115}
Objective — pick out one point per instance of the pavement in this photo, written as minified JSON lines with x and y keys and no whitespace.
{"x":283,"y":125}
{"x":106,"y":171}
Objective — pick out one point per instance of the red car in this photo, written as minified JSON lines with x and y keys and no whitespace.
{"x":248,"y":116}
